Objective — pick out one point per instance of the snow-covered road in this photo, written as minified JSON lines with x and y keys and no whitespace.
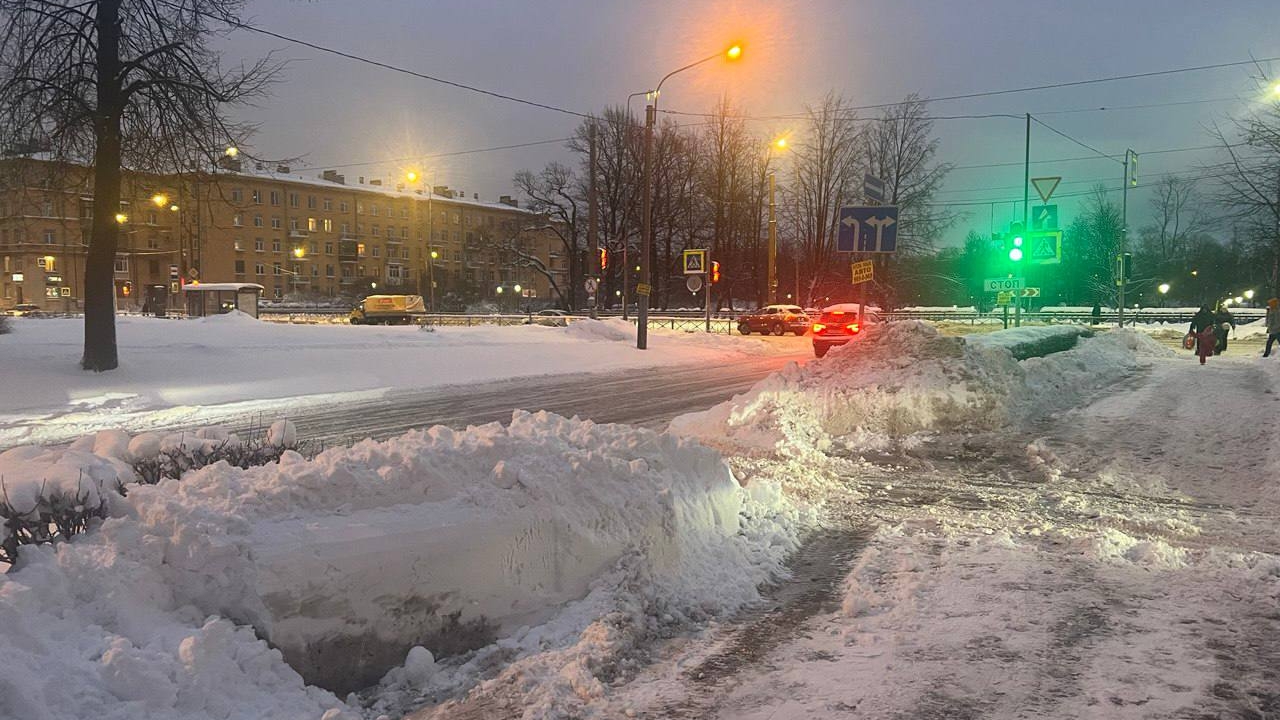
{"x":1115,"y":561}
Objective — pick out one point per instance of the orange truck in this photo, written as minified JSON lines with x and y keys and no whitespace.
{"x":388,"y":310}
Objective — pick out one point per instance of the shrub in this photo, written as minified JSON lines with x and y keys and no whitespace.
{"x":55,"y":516}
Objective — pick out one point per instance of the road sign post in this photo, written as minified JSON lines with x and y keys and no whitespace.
{"x":998,"y":285}
{"x":868,"y":229}
{"x":694,"y":262}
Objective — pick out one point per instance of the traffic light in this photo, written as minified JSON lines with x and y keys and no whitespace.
{"x":604,"y":259}
{"x":1131,"y":167}
{"x":1124,"y":267}
{"x":1015,"y":242}
{"x":715,"y":271}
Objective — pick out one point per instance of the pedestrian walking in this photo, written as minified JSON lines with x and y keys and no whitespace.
{"x":1222,"y":319}
{"x":1202,"y":328}
{"x":1273,"y":324}
{"x":1097,"y":313}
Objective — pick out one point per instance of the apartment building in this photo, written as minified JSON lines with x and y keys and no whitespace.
{"x":299,"y":237}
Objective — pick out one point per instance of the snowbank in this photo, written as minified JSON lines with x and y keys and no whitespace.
{"x":904,"y":378}
{"x":439,"y":540}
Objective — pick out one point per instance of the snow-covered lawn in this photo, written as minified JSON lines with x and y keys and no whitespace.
{"x":172,"y":371}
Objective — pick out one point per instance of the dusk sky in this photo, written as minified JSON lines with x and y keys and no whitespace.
{"x":580,"y":55}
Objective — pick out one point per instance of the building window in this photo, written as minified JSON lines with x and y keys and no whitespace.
{"x":359,"y":207}
{"x":328,"y":248}
{"x":239,"y":267}
{"x":257,"y":197}
{"x":237,"y":195}
{"x":404,"y":232}
{"x":293,"y":199}
{"x":315,"y":247}
{"x":275,"y":223}
{"x":457,"y":218}
{"x":259,"y":269}
{"x":257,"y":221}
{"x":275,"y":244}
{"x":275,"y":268}
{"x":239,"y":244}
{"x":471,"y":237}
{"x":328,"y":271}
{"x":404,"y":212}
{"x":344,"y":207}
{"x":373,"y":209}
{"x":328,"y":225}
{"x":122,"y":264}
{"x":275,"y":197}
{"x":293,"y":223}
{"x":346,"y":228}
{"x":393,"y":272}
{"x":346,"y":271}
{"x":328,"y":204}
{"x":375,"y":231}
{"x":153,"y":243}
{"x":377,"y":251}
{"x":311,"y":224}
{"x":311,"y":202}
{"x":257,"y":245}
{"x":391,"y":233}
{"x":360,"y":249}
{"x":404,"y":253}
{"x":237,"y":220}
{"x":151,"y":217}
{"x":277,"y":292}
{"x":50,"y":237}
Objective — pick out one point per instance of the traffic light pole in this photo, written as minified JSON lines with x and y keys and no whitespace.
{"x":1026,"y":203}
{"x":707,"y":266}
{"x":1124,"y":231}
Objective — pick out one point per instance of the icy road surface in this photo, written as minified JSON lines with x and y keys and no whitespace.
{"x":1117,"y":561}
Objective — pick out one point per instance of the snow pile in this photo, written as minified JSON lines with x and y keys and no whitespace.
{"x":367,"y":557}
{"x":1028,"y":342}
{"x":904,"y":378}
{"x":612,"y":329}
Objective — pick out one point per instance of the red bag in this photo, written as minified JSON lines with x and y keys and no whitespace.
{"x":1189,"y":342}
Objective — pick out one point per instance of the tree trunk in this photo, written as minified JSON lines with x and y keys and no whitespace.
{"x":99,"y":288}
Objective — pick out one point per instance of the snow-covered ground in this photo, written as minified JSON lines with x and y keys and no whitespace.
{"x":1088,"y":534}
{"x":230,"y":366}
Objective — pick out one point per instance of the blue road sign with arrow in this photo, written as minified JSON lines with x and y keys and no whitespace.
{"x":1044,"y":217}
{"x":868,"y":229}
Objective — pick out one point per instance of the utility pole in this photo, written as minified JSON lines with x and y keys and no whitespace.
{"x":592,"y":240}
{"x":1124,"y":231}
{"x":773,"y":244}
{"x":1026,"y":207}
{"x":642,"y":309}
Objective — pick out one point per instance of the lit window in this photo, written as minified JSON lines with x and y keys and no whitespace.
{"x":311,"y":224}
{"x":237,"y":220}
{"x":328,"y":225}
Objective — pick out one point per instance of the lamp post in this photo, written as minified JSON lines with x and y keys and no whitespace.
{"x":1164,"y":290}
{"x":646,"y":207}
{"x":431,"y":277}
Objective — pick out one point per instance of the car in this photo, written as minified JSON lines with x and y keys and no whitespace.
{"x":549,"y":318}
{"x":776,"y":319}
{"x":837,"y":325}
{"x":26,"y":310}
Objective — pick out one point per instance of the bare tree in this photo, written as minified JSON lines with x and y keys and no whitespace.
{"x":116,"y":83}
{"x":1249,"y":180}
{"x":826,"y":162}
{"x":555,"y":193}
{"x":1177,"y":213}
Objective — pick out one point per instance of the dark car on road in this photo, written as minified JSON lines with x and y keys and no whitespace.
{"x":776,"y":319}
{"x":837,"y":325}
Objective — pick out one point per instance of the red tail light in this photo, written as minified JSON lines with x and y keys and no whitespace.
{"x":819,"y":327}
{"x":853,"y":328}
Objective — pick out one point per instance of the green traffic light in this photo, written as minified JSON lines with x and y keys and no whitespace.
{"x":1017,"y":241}
{"x":1015,"y":254}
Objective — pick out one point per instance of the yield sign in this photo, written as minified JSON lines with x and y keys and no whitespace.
{"x":1045,"y":186}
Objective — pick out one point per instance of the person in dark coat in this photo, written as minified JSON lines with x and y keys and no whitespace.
{"x":1273,"y":324}
{"x":1202,"y":327}
{"x":1221,"y":319}
{"x":1097,"y":313}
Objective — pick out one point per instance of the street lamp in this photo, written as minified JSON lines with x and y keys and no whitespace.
{"x":431,"y":277}
{"x":646,"y":226}
{"x":1248,"y":295}
{"x":299,"y":252}
{"x":160,"y":199}
{"x":232,"y":151}
{"x":1164,"y":290}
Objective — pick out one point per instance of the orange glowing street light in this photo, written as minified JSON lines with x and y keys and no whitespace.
{"x":734,"y":52}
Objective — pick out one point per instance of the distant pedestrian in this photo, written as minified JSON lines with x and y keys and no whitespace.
{"x":1222,"y":319}
{"x":1097,"y":313}
{"x":1273,"y":324}
{"x":1202,"y":327}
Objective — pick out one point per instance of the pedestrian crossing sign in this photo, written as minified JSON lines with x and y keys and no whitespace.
{"x":695,"y":262}
{"x":1045,"y":247}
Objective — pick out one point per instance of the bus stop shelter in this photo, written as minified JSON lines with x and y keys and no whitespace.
{"x":203,"y":299}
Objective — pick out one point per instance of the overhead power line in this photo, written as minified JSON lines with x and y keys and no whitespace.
{"x":1077,"y":141}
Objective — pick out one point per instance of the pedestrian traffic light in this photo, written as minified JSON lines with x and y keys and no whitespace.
{"x":604,"y":259}
{"x":1131,"y":167}
{"x":715,"y":271}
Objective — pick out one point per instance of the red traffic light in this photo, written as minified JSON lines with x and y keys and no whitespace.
{"x":715,"y":271}
{"x":604,"y":259}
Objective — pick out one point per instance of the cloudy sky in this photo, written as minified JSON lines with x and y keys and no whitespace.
{"x":582,"y":55}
